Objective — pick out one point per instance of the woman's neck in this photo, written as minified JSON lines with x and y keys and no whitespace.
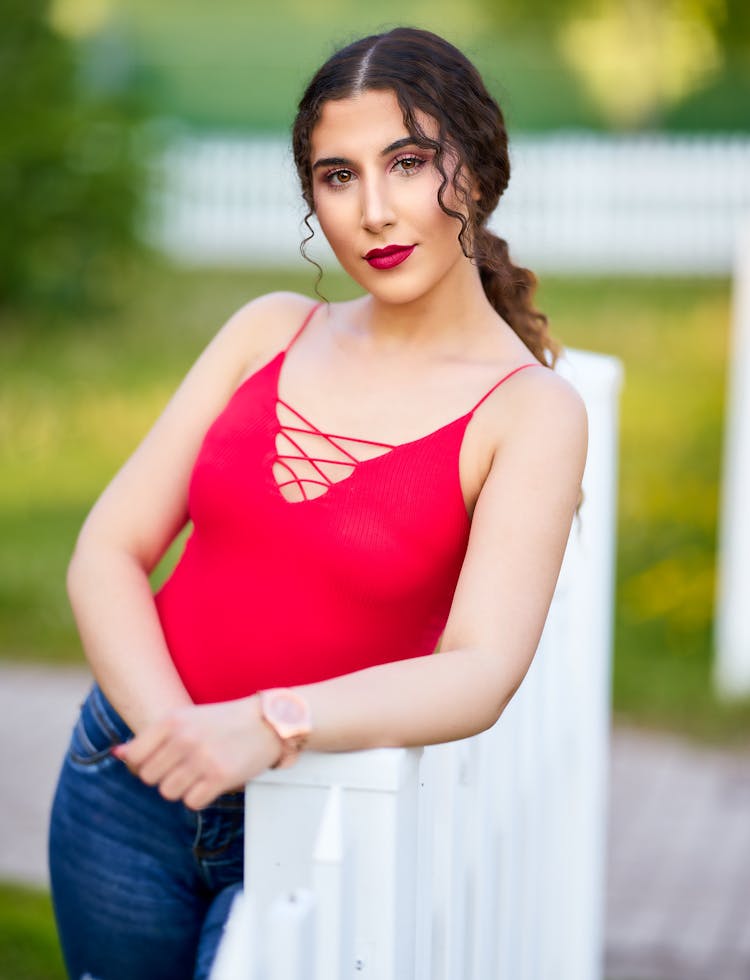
{"x":444,"y":319}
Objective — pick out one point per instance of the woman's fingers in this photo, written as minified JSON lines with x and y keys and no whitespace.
{"x":141,"y":746}
{"x":171,"y":755}
{"x":175,"y":765}
{"x":178,"y":782}
{"x":202,"y":751}
{"x":200,"y":794}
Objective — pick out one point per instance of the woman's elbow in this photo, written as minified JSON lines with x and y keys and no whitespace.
{"x":95,"y":559}
{"x":85,"y":562}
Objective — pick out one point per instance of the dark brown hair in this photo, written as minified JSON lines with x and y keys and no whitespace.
{"x":427,"y":73}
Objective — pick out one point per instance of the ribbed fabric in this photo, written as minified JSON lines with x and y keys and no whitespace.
{"x":269,"y":592}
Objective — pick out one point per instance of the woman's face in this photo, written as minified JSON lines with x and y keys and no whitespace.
{"x":375,"y":196}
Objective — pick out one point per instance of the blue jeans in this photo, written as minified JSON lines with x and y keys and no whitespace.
{"x":141,"y":886}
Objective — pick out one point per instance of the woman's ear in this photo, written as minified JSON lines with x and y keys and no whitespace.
{"x":471,"y":185}
{"x":475,"y":190}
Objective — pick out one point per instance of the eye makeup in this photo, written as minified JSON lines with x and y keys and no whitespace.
{"x":332,"y":178}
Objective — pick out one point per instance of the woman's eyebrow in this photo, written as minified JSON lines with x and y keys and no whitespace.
{"x":406,"y":141}
{"x":344,"y":162}
{"x":332,"y":162}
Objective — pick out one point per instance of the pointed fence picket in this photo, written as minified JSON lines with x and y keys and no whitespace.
{"x":480,"y":859}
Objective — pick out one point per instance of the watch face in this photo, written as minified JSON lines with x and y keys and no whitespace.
{"x":287,"y":712}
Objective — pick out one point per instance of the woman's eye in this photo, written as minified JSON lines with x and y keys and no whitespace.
{"x":409,"y":165}
{"x":338,"y":178}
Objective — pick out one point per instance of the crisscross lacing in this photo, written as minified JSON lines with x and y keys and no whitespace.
{"x":307,"y":477}
{"x":305,"y":469}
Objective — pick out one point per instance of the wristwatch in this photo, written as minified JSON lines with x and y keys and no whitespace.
{"x":288,"y":714}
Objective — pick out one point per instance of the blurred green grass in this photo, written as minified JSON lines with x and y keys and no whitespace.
{"x":28,"y":941}
{"x":671,"y":336}
{"x":79,"y":393}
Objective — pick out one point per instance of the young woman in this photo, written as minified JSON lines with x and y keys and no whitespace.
{"x":380,"y":490}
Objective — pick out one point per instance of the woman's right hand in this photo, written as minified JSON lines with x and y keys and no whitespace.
{"x":199,"y":752}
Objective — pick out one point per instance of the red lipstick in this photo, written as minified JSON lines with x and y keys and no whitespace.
{"x":390,"y":256}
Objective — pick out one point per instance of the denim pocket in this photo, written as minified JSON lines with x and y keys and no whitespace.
{"x":98,"y":729}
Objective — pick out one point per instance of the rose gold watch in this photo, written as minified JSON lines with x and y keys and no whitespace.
{"x":289,"y":716}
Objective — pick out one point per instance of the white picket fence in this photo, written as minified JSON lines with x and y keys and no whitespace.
{"x":577,"y":202}
{"x":481,"y":859}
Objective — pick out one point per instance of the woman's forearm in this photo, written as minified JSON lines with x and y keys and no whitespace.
{"x":121,"y":635}
{"x":198,"y":753}
{"x":438,"y":698}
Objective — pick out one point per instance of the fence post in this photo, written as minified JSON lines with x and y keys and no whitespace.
{"x":589,"y":641}
{"x":732,"y":631}
{"x":293,"y":841}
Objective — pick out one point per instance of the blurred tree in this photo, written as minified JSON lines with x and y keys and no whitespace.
{"x":69,"y":174}
{"x":533,"y":16}
{"x":733,"y":22}
{"x":638,"y":58}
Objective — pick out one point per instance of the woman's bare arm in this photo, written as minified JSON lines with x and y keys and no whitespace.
{"x":519,"y":531}
{"x":144,"y":508}
{"x":518,"y":535}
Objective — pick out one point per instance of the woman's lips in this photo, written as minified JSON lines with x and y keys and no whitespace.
{"x":390,"y":256}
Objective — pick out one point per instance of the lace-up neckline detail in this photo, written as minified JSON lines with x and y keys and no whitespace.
{"x":307,"y":461}
{"x":306,"y":473}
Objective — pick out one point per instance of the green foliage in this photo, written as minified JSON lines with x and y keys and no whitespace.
{"x":69,"y":170}
{"x":28,"y":940}
{"x":722,"y":104}
{"x":234,"y":65}
{"x":733,"y":20}
{"x":251,"y":72}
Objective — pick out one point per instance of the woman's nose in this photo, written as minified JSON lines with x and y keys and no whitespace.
{"x":377,"y":209}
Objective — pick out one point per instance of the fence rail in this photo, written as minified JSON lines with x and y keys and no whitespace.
{"x":577,"y":202}
{"x":481,"y":859}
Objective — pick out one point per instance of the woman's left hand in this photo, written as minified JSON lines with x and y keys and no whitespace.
{"x":197,"y":753}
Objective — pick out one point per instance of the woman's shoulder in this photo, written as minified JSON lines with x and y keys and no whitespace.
{"x":550,"y":388}
{"x":537,"y":404}
{"x":266,"y":323}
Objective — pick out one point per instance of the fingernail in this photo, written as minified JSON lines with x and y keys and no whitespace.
{"x":116,"y":750}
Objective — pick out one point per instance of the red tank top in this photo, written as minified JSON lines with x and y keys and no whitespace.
{"x":271,"y":592}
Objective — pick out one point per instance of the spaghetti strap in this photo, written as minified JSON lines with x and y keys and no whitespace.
{"x":304,"y":323}
{"x":505,"y":378}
